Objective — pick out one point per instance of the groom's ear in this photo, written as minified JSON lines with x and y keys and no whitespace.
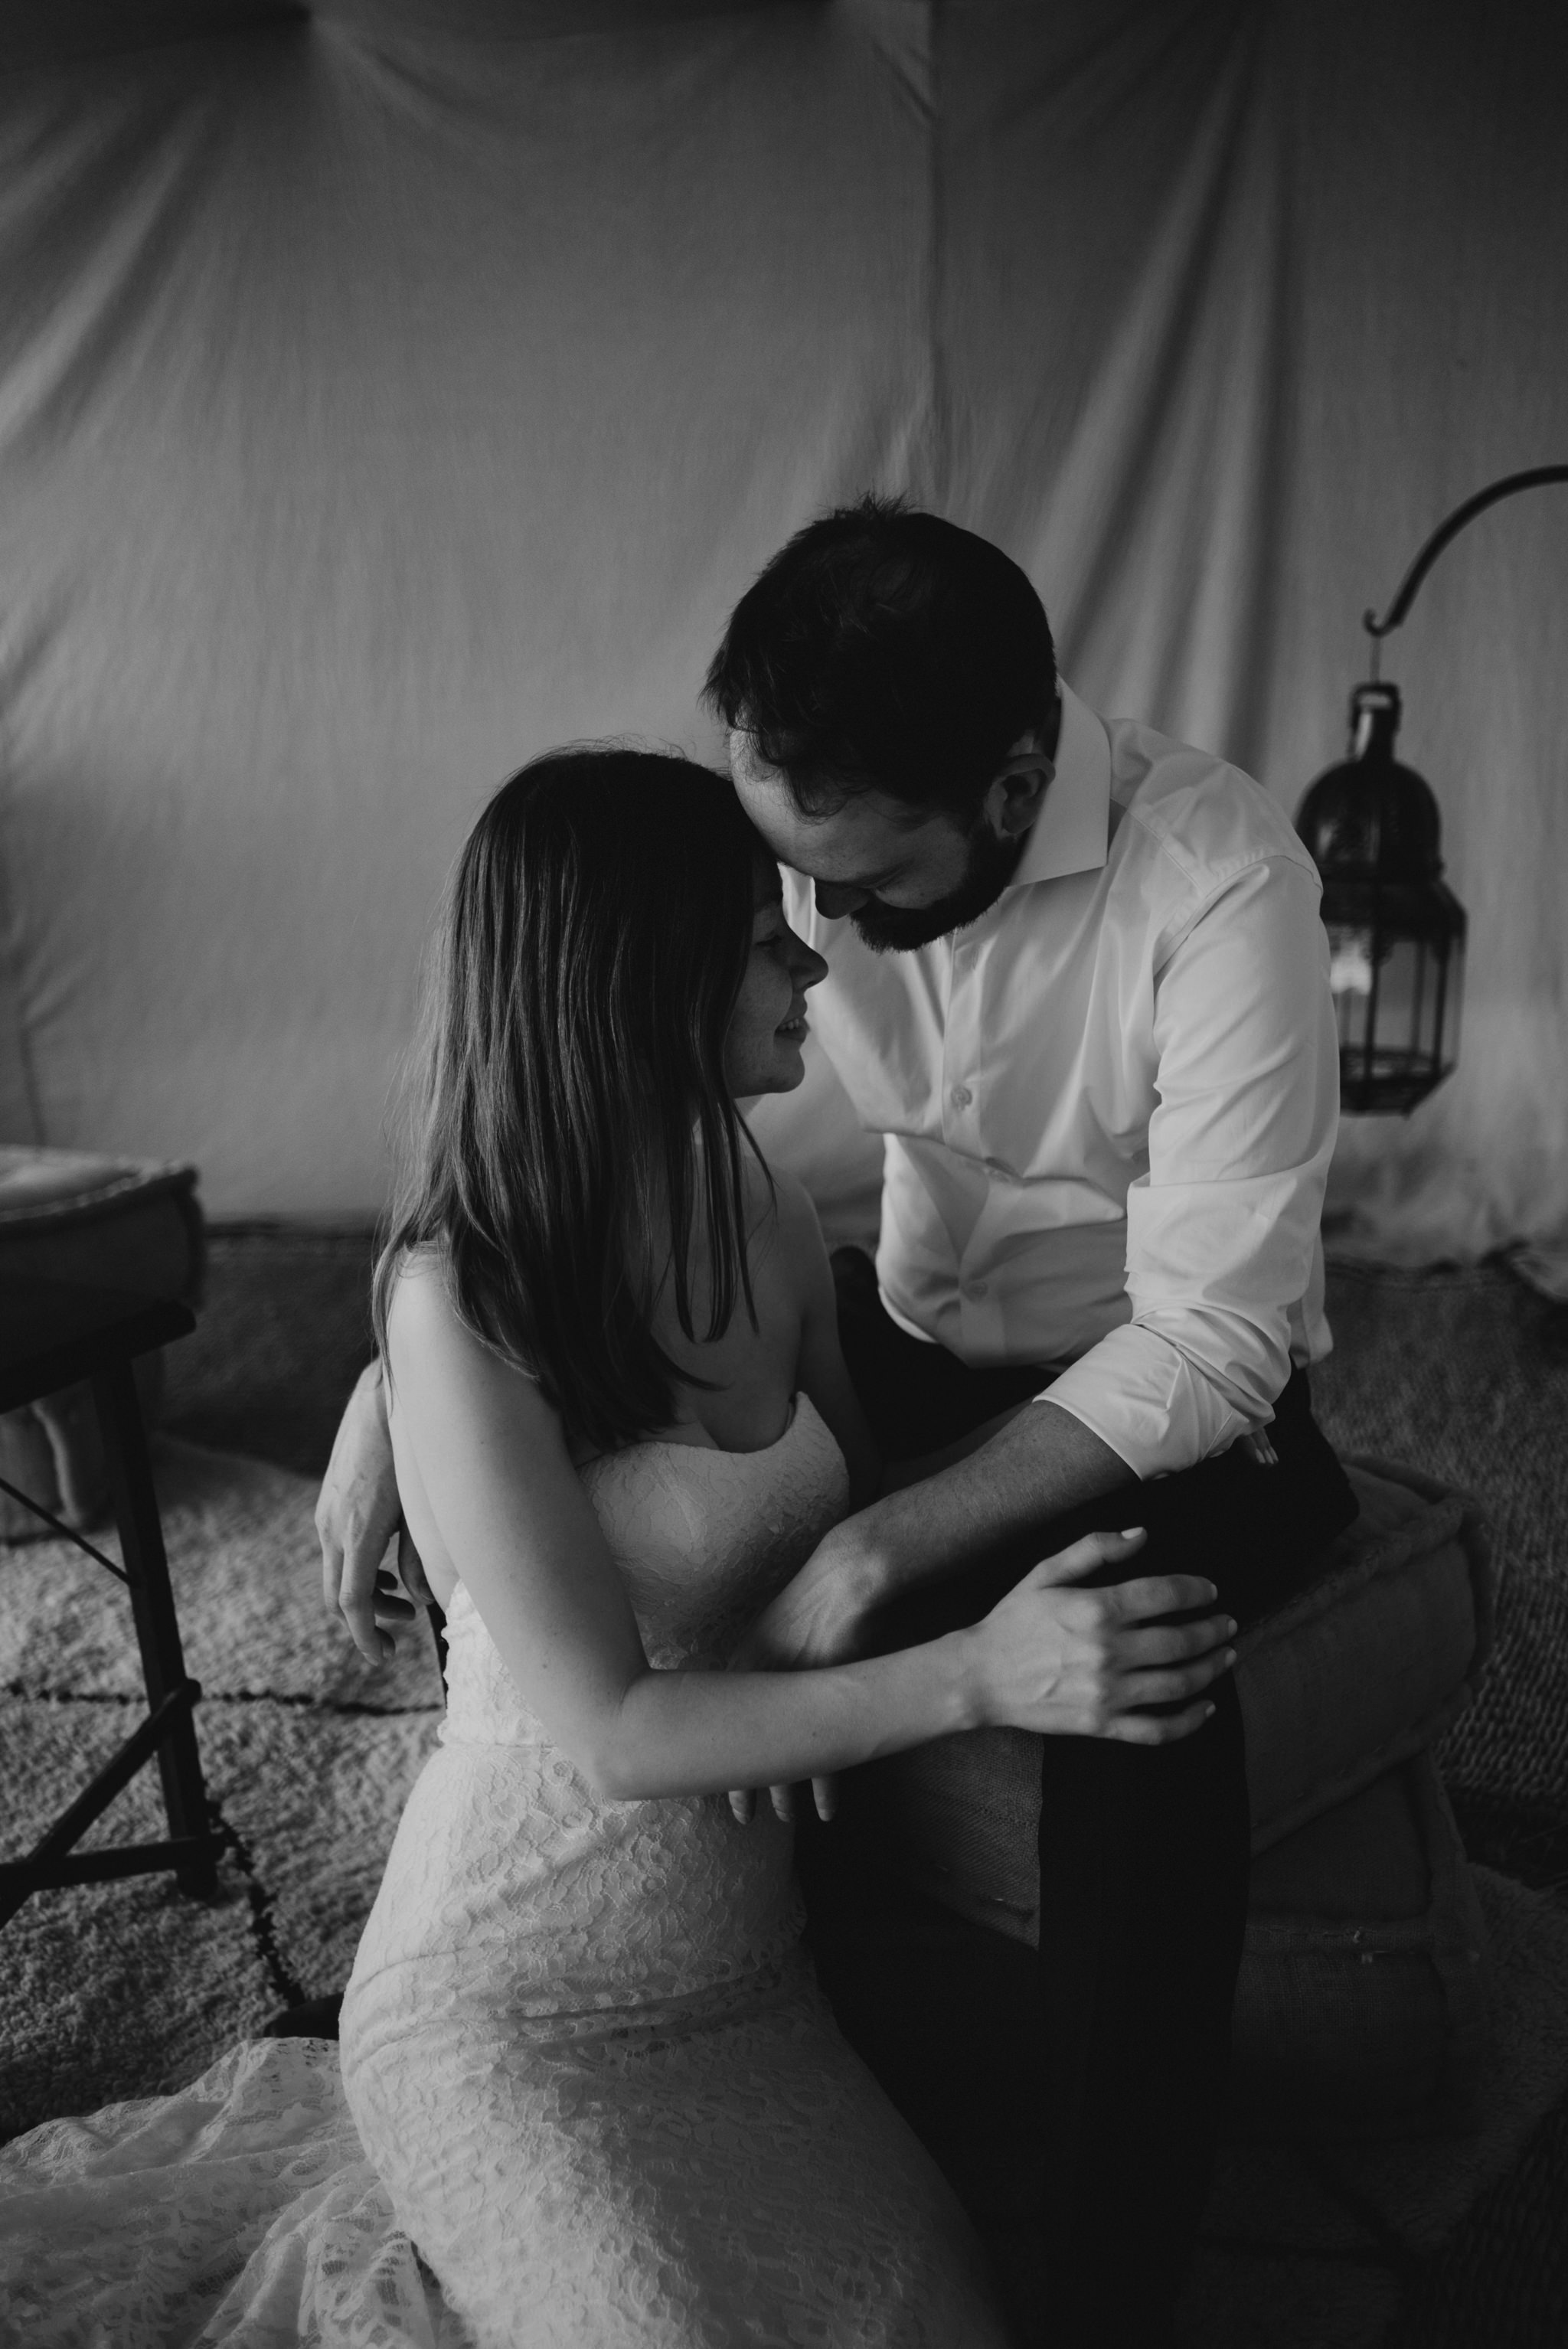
{"x":1015,"y":792}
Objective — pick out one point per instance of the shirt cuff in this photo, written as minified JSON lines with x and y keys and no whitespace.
{"x":1143,"y":1399}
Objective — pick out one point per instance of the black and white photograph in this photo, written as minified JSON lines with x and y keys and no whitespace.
{"x":783,"y":1175}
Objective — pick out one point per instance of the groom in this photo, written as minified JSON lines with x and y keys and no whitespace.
{"x":1078,"y":981}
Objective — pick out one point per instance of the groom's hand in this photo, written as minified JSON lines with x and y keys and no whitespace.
{"x":818,"y":1618}
{"x":356,"y":1518}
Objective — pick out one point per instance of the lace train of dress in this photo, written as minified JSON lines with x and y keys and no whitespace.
{"x":240,"y":2211}
{"x":590,"y":2074}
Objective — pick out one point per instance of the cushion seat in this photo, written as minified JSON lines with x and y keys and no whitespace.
{"x":1360,"y":2007}
{"x":91,"y":1221}
{"x":1361,"y":1670}
{"x":99,"y":1222}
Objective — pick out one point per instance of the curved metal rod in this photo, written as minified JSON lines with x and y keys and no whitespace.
{"x":1507,"y":488}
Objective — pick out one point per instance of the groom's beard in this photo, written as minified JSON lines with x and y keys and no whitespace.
{"x":898,"y":929}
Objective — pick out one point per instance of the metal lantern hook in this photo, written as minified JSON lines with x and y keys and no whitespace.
{"x":1508,"y":486}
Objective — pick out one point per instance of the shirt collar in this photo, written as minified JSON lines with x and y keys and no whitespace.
{"x":1072,"y":832}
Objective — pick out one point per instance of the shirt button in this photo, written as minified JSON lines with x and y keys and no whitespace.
{"x":976,"y":1289}
{"x":961,"y":1097}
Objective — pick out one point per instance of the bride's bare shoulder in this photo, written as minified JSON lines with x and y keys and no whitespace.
{"x":440,"y":1365}
{"x":419,"y":1296}
{"x":425,"y":1324}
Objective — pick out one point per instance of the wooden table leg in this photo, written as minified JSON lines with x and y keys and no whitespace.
{"x":152,"y":1604}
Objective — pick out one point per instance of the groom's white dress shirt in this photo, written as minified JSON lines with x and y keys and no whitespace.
{"x":1110,"y":1104}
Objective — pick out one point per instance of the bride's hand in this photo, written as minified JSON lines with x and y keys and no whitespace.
{"x":1085,"y":1663}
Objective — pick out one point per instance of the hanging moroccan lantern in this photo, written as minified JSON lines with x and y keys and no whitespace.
{"x":1396,"y":930}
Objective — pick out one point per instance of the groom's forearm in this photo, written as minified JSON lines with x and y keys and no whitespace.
{"x":1042,"y":1463}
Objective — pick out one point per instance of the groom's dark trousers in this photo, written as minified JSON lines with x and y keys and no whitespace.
{"x":1143,"y":1850}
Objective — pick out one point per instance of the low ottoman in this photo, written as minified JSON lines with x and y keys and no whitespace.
{"x":1360,"y":2006}
{"x":92,"y":1222}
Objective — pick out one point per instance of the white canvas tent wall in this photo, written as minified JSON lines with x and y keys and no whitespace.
{"x":387,"y":392}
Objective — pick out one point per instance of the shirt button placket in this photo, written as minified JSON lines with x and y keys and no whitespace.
{"x":961,"y":1044}
{"x":962,"y":1118}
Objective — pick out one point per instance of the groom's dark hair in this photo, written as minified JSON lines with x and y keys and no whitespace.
{"x":885,"y":649}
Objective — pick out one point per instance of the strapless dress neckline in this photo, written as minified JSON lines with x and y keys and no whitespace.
{"x":617,"y":1483}
{"x":722,"y":1450}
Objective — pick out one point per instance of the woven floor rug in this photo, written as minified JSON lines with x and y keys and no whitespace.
{"x":124,"y":1989}
{"x":129,"y":1989}
{"x":1464,"y":1373}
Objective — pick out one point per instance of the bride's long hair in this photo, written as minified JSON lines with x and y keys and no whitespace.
{"x":566,"y":1114}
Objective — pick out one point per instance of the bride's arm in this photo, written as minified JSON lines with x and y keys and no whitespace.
{"x":509,"y":1510}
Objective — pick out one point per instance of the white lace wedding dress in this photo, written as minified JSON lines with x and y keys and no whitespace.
{"x":595,"y":2079}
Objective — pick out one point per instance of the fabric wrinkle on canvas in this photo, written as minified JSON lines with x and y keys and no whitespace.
{"x":1161,"y":302}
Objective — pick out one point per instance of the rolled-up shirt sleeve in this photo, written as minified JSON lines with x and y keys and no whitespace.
{"x":1222,"y":1230}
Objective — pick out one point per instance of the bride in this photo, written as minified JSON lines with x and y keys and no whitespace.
{"x":593,"y":2079}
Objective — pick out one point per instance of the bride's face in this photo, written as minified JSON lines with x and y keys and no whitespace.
{"x":767,"y":1025}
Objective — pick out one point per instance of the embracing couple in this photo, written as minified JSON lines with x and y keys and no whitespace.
{"x":1034,"y":1468}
